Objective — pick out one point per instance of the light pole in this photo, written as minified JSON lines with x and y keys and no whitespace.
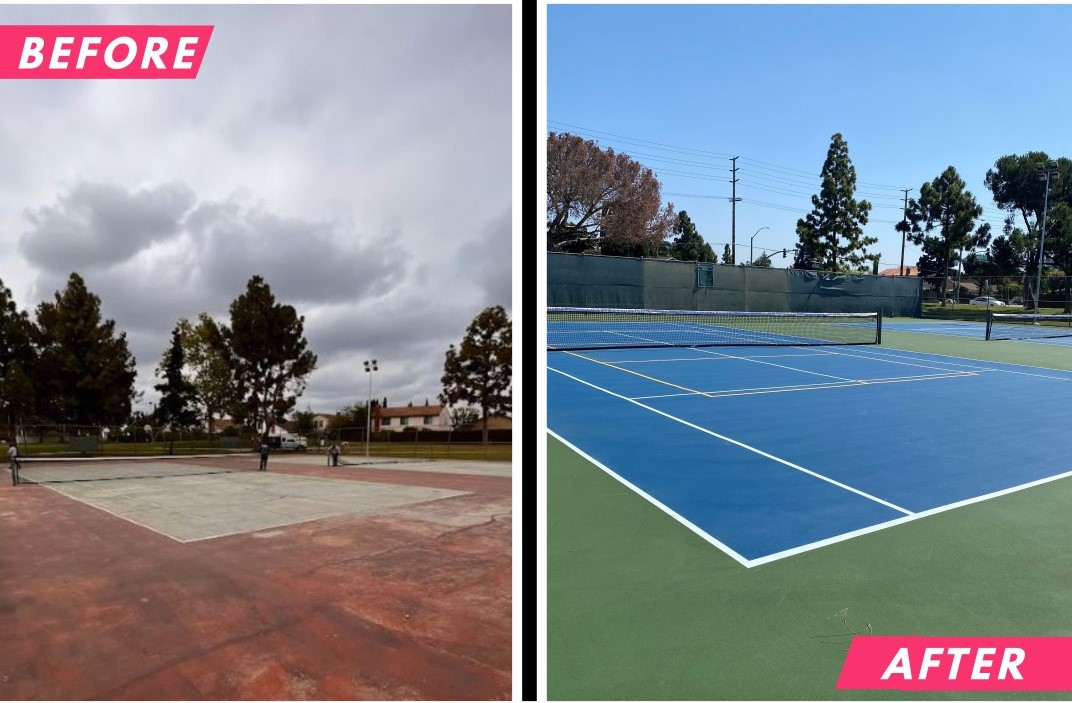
{"x":1044,"y":175}
{"x":370,"y":366}
{"x":751,"y":259}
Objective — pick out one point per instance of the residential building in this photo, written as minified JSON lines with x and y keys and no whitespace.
{"x":908,"y":271}
{"x":422,"y":417}
{"x":322,"y":422}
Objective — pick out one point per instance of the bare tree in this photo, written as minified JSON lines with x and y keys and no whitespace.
{"x":598,"y":199}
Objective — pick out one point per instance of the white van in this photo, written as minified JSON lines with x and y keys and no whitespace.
{"x":297,"y":444}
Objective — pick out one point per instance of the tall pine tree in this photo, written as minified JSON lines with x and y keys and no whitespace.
{"x":832,"y":234}
{"x":17,"y":359}
{"x":943,"y":223}
{"x":177,"y":395}
{"x":85,"y":370}
{"x":267,"y":351}
{"x":479,"y":372}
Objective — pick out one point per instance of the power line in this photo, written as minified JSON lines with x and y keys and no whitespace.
{"x":812,"y":174}
{"x":698,"y":152}
{"x":685,"y":174}
{"x":814,"y":185}
{"x":695,"y":195}
{"x":779,"y":172}
{"x":788,"y":208}
{"x":644,"y":141}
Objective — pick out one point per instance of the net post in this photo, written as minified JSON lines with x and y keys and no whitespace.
{"x":989,"y":323}
{"x":878,"y":328}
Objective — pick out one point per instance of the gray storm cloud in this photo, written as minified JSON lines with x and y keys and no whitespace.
{"x":365,"y":175}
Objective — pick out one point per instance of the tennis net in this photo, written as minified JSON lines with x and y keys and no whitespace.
{"x":1003,"y":325}
{"x":105,"y":468}
{"x":612,"y":328}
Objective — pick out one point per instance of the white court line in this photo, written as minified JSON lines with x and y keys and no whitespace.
{"x":654,"y":501}
{"x":811,"y":386}
{"x":729,"y":333}
{"x":950,"y":332}
{"x":902,"y":363}
{"x":874,"y":354}
{"x":709,"y":358}
{"x":781,"y":366}
{"x":635,"y":373}
{"x":635,"y":336}
{"x":736,"y":443}
{"x":109,"y":512}
{"x":305,"y":521}
{"x":901,"y":520}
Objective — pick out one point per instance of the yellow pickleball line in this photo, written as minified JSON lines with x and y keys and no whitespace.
{"x":637,"y":373}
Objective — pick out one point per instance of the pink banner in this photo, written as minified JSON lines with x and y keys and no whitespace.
{"x":958,"y":663}
{"x":102,"y":51}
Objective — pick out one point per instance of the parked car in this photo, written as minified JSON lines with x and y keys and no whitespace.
{"x":985,"y":300}
{"x":297,"y":444}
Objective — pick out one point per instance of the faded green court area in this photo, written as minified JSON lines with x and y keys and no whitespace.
{"x":190,"y":508}
{"x":641,"y":608}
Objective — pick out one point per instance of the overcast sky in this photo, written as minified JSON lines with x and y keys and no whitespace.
{"x":357,"y":157}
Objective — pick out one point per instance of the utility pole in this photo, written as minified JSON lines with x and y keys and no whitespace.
{"x":960,"y":270}
{"x":904,"y":232}
{"x":1044,"y":175}
{"x":734,"y":200}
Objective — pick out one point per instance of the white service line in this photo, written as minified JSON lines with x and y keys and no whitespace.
{"x":812,"y":386}
{"x":113,"y":514}
{"x":736,"y":443}
{"x":768,"y":363}
{"x":709,"y":358}
{"x":901,"y":520}
{"x":873,"y":354}
{"x":901,"y":363}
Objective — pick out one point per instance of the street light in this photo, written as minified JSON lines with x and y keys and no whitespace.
{"x":751,"y":259}
{"x":1044,"y":175}
{"x":370,"y":366}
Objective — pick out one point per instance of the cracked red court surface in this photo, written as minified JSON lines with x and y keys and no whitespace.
{"x":373,"y":582}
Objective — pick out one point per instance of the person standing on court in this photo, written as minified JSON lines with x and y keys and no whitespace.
{"x":264,"y":455}
{"x":13,"y":462}
{"x":334,"y":451}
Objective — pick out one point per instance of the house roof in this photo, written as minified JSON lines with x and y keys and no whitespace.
{"x":497,"y":422}
{"x":412,"y":411}
{"x":908,"y":271}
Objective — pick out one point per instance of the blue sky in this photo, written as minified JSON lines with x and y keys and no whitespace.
{"x":912,"y":88}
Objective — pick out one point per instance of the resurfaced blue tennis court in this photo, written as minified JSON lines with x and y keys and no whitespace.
{"x":964,"y":329}
{"x":947,"y":328}
{"x":767,"y":452}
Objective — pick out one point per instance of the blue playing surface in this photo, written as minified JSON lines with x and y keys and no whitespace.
{"x":958,"y":328}
{"x":767,"y":452}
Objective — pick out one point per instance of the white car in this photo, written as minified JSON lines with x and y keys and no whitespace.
{"x":297,"y":444}
{"x":984,"y":300}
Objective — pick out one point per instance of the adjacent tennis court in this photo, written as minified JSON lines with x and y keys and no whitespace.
{"x":780,"y":477}
{"x":1020,"y":327}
